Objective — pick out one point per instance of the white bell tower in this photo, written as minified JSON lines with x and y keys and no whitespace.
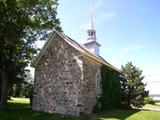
{"x":91,"y":44}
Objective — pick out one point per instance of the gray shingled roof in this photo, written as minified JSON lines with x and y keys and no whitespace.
{"x":75,"y":45}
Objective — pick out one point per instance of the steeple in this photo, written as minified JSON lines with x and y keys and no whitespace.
{"x":91,"y":23}
{"x":91,"y":31}
{"x":91,"y":44}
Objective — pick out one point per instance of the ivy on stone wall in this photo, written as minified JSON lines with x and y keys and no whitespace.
{"x":111,"y":90}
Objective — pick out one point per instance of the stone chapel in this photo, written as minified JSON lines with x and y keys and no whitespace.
{"x":67,"y":74}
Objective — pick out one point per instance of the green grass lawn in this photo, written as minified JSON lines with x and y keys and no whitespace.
{"x":131,"y":115}
{"x":19,"y":109}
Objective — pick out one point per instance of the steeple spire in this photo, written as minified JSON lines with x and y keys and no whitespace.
{"x":91,"y":31}
{"x":91,"y":43}
{"x":91,"y":23}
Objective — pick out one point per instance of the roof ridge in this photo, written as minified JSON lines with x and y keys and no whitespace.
{"x":75,"y":45}
{"x":93,"y":55}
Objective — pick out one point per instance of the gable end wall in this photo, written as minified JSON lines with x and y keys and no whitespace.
{"x":64,"y":80}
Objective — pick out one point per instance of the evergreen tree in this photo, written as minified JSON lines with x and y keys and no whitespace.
{"x":132,"y":86}
{"x":22,"y":22}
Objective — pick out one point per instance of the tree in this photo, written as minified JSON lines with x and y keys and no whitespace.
{"x":22,"y":88}
{"x":132,"y":86}
{"x":22,"y":22}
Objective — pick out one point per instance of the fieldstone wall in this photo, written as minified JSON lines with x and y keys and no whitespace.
{"x":64,"y":81}
{"x":87,"y":87}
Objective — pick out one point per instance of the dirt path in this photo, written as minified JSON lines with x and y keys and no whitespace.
{"x":151,"y":109}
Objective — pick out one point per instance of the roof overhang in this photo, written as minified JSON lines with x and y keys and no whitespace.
{"x":91,"y":42}
{"x":85,"y":52}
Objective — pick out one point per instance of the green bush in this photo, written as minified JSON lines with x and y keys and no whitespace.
{"x":157,"y":101}
{"x":149,"y":100}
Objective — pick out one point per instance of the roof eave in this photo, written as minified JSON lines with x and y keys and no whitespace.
{"x":83,"y":51}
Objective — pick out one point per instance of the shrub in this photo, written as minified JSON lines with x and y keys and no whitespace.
{"x":149,"y":100}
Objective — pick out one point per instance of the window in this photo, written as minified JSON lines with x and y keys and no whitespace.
{"x":97,"y":82}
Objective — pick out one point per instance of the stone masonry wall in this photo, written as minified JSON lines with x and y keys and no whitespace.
{"x":87,"y":87}
{"x":64,"y":81}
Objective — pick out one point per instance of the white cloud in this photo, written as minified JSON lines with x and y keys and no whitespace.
{"x":94,"y":6}
{"x":102,"y":17}
{"x":152,"y":75}
{"x":134,"y":48}
{"x":153,"y":87}
{"x":125,"y":49}
{"x":98,"y":4}
{"x":152,"y":78}
{"x":107,"y":16}
{"x":128,"y":49}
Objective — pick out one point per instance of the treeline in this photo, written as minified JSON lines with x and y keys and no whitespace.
{"x":22,"y":88}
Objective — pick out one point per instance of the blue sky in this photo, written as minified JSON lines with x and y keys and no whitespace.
{"x":128,"y":30}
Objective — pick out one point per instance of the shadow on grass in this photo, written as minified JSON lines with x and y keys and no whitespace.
{"x":22,"y":111}
{"x":117,"y":114}
{"x":18,"y":106}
